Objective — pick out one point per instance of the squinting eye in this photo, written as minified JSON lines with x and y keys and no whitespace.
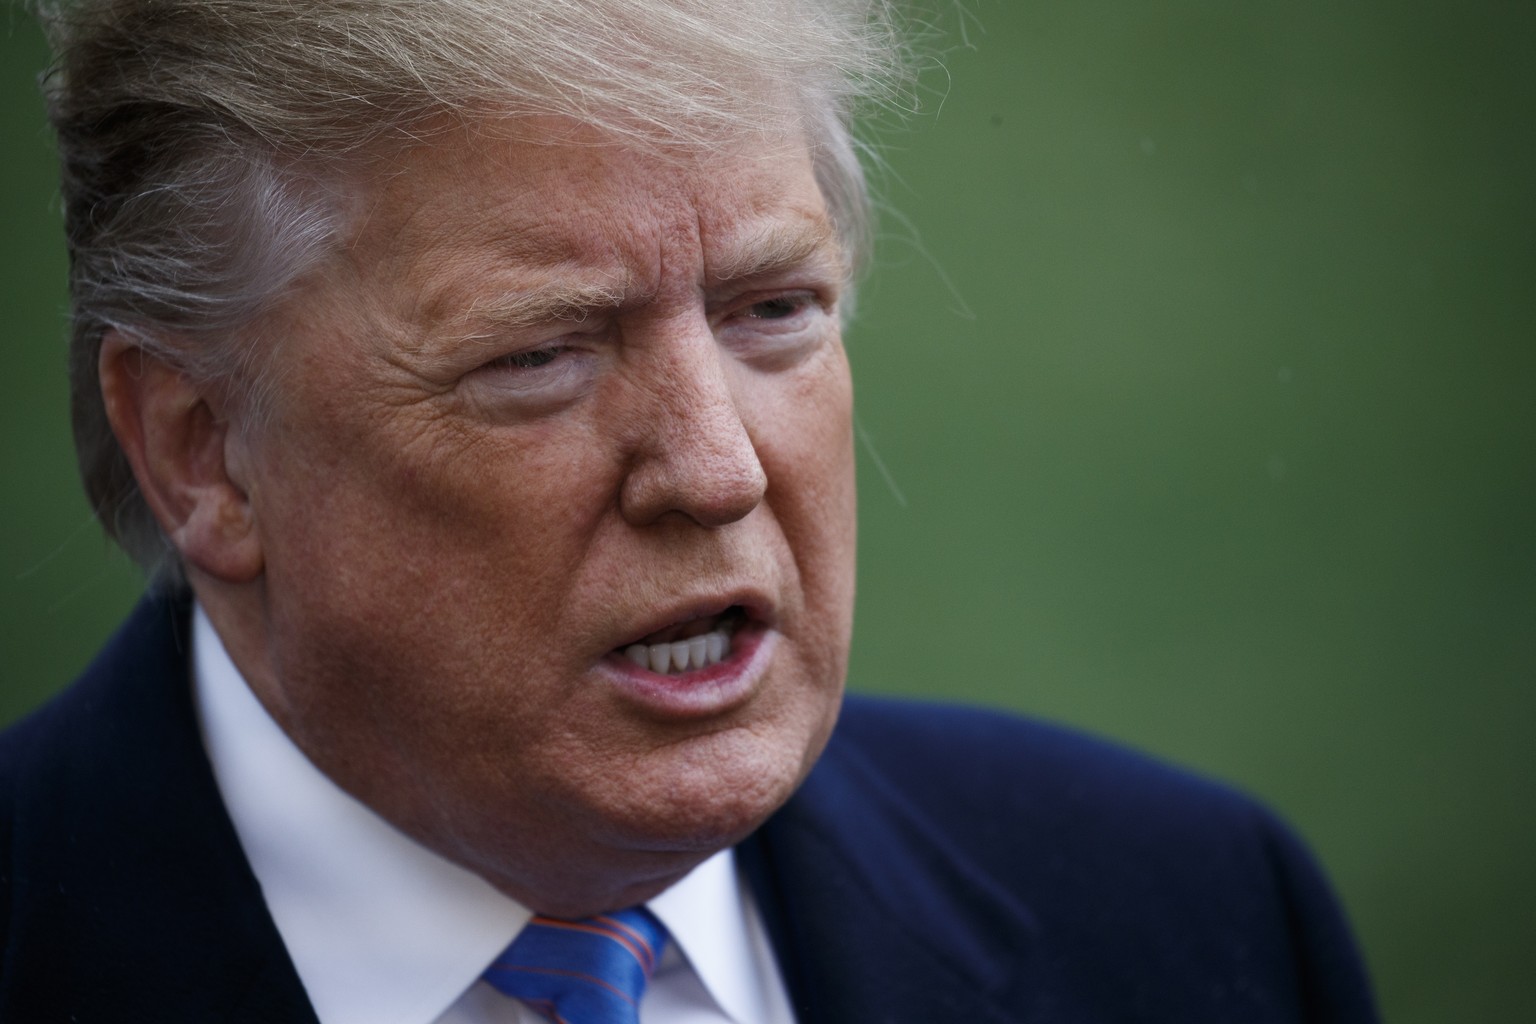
{"x":533,"y":382}
{"x":778,"y":308}
{"x":530,"y":360}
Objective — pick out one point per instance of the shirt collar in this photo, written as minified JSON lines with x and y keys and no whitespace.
{"x":380,"y":929}
{"x":710,"y":920}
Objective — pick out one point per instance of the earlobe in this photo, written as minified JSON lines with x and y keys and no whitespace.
{"x":171,"y":429}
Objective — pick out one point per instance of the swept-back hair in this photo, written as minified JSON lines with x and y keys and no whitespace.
{"x":205,"y":145}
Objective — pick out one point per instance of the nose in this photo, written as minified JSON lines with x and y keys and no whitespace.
{"x":694,"y":456}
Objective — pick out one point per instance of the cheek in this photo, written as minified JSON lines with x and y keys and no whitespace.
{"x":816,"y":454}
{"x":418,"y":488}
{"x":403,"y":551}
{"x":806,"y":444}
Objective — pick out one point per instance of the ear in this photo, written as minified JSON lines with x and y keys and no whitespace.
{"x":184,"y":456}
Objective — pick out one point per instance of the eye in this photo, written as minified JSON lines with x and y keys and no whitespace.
{"x":535,"y":368}
{"x":529,"y":360}
{"x":533,"y":381}
{"x":780,"y":307}
{"x":778,"y":329}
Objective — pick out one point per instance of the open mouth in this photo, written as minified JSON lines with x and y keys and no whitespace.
{"x":687,"y":646}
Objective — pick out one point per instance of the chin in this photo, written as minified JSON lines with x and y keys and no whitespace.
{"x":713,"y":794}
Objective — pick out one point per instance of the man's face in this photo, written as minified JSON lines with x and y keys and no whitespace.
{"x":558,"y":411}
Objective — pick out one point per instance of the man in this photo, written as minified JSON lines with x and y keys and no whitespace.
{"x":468,"y":375}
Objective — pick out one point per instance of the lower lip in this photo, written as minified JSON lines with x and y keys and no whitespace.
{"x":704,"y":692}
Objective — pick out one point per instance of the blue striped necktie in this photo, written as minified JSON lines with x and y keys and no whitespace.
{"x":582,"y":972}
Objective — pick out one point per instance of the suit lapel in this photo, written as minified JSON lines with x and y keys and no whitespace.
{"x":131,"y":886}
{"x":876,"y":917}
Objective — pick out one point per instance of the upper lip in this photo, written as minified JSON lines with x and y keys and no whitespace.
{"x":757,"y":605}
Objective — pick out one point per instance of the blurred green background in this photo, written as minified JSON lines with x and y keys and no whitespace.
{"x":1200,"y":363}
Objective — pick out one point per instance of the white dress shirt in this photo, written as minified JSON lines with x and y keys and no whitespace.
{"x":383,"y":931}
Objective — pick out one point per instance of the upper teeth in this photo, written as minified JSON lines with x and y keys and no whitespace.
{"x":681,"y":655}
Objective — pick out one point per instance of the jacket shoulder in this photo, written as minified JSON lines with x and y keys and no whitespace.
{"x":960,"y":760}
{"x":1120,"y":857}
{"x":1011,"y":789}
{"x":124,"y":894}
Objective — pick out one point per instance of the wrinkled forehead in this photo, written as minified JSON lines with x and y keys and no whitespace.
{"x":468,"y":203}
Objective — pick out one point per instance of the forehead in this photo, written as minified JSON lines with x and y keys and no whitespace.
{"x":449,"y":215}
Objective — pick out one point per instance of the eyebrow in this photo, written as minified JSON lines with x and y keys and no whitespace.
{"x":573,"y":302}
{"x":773,"y":250}
{"x":779,"y":248}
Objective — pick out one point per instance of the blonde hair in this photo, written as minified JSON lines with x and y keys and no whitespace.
{"x":203,"y":143}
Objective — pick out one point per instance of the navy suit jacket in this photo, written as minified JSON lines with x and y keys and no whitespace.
{"x":938,"y":865}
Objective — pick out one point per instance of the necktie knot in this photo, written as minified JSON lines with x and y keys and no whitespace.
{"x":591,"y":971}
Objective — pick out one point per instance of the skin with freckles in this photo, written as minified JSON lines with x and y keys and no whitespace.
{"x":553,"y":398}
